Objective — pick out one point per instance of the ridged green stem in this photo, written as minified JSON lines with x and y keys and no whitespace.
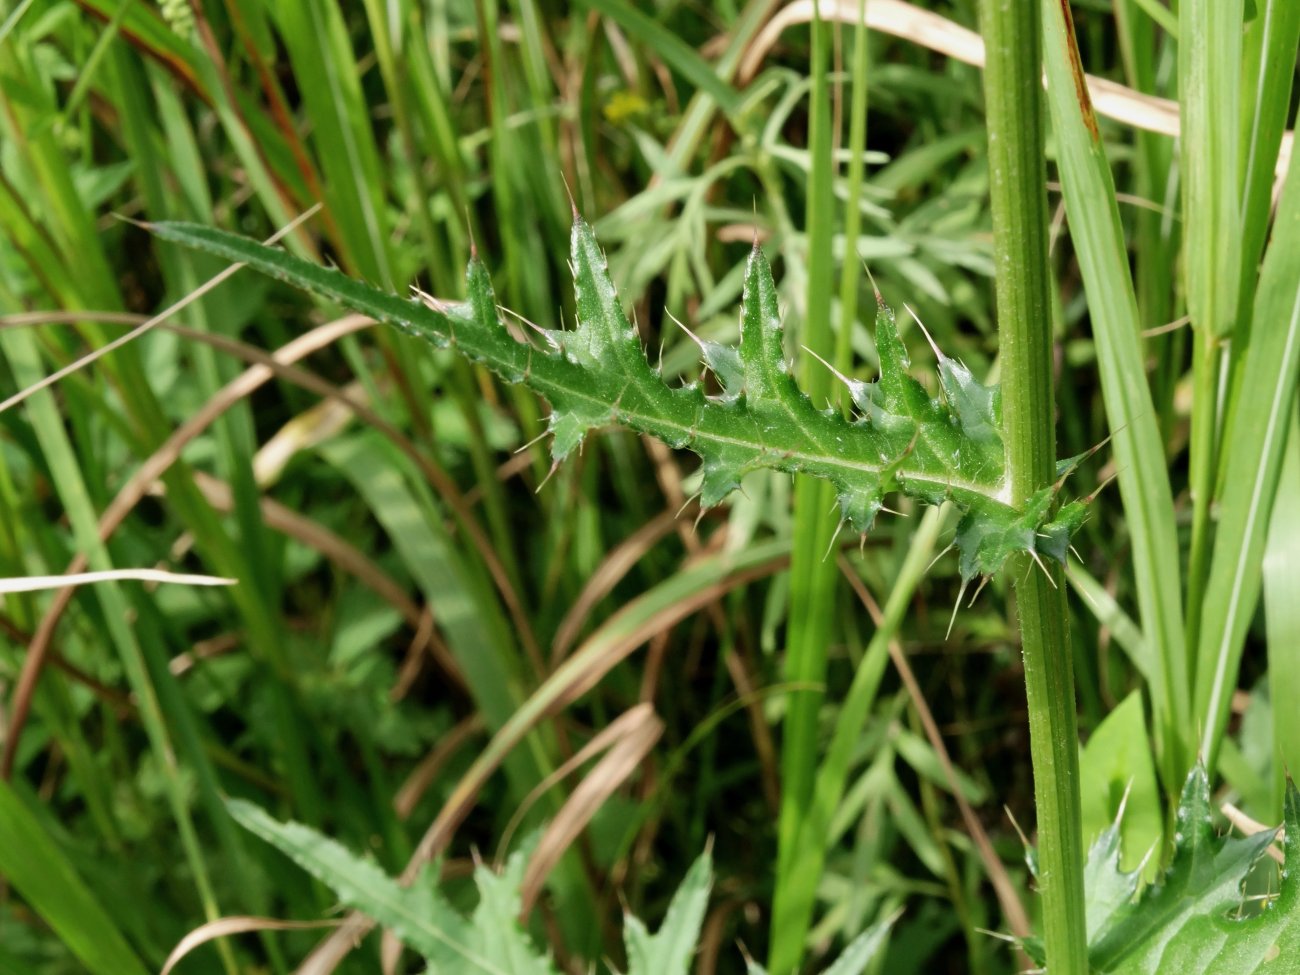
{"x":1013,"y":95}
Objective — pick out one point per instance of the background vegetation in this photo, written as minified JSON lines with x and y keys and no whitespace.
{"x":413,"y":572}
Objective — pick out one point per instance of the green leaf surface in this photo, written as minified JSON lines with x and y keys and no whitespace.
{"x":1119,"y":782}
{"x":491,"y":942}
{"x":856,"y":957}
{"x":1196,"y":920}
{"x":1097,"y":233}
{"x":1252,"y":456}
{"x":1282,"y":610}
{"x":670,"y":949}
{"x":33,"y":865}
{"x":932,"y":449}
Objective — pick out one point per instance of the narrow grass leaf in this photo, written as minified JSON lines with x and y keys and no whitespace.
{"x":41,"y":873}
{"x":1098,"y":238}
{"x":39,"y":583}
{"x":1282,"y":612}
{"x":1272,"y":37}
{"x":1209,"y":86}
{"x":1253,"y":452}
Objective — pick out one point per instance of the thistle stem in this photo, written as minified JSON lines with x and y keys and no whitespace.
{"x":1013,"y":95}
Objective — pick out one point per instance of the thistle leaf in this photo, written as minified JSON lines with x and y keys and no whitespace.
{"x":1195,"y":921}
{"x":932,"y":449}
{"x":670,"y":949}
{"x":418,"y":914}
{"x":491,"y":940}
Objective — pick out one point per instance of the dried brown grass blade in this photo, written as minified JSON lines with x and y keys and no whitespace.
{"x":1249,"y":826}
{"x":618,"y":764}
{"x":626,"y":724}
{"x":224,"y":927}
{"x":617,"y":563}
{"x":626,"y":742}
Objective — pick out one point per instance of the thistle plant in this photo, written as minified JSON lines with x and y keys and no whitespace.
{"x":242,"y":113}
{"x":934,"y":449}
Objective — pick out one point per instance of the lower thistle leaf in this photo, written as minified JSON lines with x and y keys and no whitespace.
{"x":492,"y":939}
{"x":1195,"y":920}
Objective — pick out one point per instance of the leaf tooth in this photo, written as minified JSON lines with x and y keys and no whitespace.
{"x":607,"y":338}
{"x":762,"y":350}
{"x":860,"y":503}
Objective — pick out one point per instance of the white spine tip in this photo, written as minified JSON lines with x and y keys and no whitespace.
{"x":926,"y":332}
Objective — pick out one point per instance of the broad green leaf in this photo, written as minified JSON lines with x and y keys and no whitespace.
{"x":670,"y":949}
{"x":597,"y":374}
{"x":1195,"y":921}
{"x":33,"y":865}
{"x":494,"y":928}
{"x":862,"y":950}
{"x":1119,"y":783}
{"x":491,"y":940}
{"x":1107,"y":887}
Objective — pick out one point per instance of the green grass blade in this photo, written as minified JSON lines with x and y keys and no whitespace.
{"x":1282,"y":615}
{"x":671,"y":48}
{"x":21,"y":355}
{"x":1209,"y":80}
{"x":811,"y":847}
{"x":1098,"y":238}
{"x":813,"y":577}
{"x":1209,"y":86}
{"x":703,"y":106}
{"x":32,"y":863}
{"x":1253,"y":453}
{"x":461,"y":601}
{"x":317,"y":42}
{"x":1271,"y":39}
